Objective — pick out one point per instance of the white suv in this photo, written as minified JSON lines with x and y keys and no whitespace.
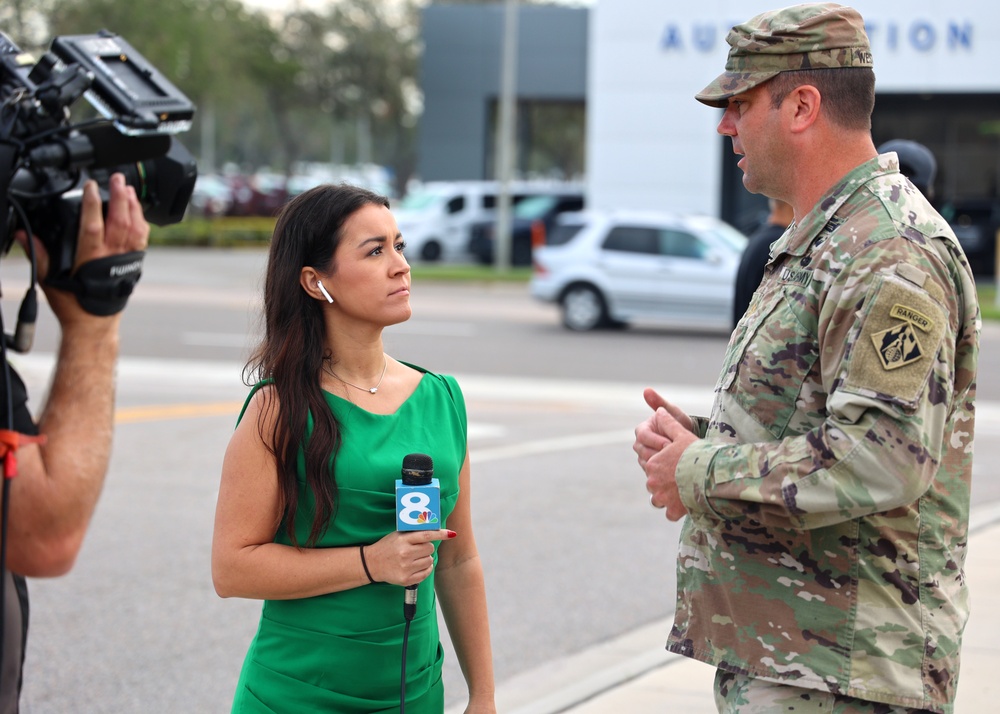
{"x":610,"y":268}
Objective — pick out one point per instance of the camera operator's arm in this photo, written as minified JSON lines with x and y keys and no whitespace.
{"x":55,"y":493}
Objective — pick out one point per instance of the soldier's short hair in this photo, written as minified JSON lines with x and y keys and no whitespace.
{"x":848,"y":94}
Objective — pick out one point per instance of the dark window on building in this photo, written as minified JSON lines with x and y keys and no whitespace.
{"x":963,"y":133}
{"x":551,"y":139}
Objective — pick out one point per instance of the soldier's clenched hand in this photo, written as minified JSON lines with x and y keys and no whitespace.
{"x":659,"y":443}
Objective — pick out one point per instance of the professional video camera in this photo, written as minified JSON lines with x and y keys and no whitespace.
{"x":45,"y":158}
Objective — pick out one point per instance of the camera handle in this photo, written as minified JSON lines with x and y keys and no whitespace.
{"x":103,"y":285}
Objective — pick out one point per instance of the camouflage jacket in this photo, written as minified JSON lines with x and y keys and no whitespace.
{"x":829,"y":496}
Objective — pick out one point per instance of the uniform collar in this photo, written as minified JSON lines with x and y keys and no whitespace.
{"x":799,"y":237}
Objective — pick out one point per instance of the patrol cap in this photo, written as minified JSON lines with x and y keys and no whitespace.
{"x":813,"y":36}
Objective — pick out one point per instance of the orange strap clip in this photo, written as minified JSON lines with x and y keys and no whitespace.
{"x":10,"y":442}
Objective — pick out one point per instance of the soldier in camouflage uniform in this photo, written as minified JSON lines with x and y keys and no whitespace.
{"x":827,"y":495}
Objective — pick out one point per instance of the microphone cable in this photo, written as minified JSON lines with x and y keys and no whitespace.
{"x":23,"y":336}
{"x":409,"y":610}
{"x":402,"y":669}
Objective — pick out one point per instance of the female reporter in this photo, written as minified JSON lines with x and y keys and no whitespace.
{"x":306,"y":513}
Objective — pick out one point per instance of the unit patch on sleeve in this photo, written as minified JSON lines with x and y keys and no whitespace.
{"x":901,"y":331}
{"x":900,"y":345}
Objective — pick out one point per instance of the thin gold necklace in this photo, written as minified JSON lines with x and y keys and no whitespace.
{"x":371,"y":390}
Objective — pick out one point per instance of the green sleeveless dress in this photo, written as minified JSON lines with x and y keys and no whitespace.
{"x":342,"y":652}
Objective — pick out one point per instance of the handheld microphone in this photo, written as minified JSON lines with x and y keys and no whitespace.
{"x":418,"y":508}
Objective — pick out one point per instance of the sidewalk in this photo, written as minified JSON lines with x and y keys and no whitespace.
{"x":660,"y":681}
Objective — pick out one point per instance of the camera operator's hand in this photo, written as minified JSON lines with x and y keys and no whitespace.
{"x":123,"y":230}
{"x":56,"y":491}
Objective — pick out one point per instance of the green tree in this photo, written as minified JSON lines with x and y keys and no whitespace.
{"x":23,"y":21}
{"x":359,"y":61}
{"x":226,"y":58}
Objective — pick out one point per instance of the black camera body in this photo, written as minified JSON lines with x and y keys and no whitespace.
{"x":45,"y":158}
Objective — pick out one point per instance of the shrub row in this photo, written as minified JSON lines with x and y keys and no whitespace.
{"x":215,"y":232}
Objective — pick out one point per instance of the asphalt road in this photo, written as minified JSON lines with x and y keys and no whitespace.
{"x":574,"y":556}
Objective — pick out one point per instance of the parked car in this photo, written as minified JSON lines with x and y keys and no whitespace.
{"x":436,"y":218}
{"x":211,"y":197}
{"x":531,"y":219}
{"x":259,"y":194}
{"x":607,"y":269}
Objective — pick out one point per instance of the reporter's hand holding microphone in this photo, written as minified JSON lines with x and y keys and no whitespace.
{"x":404,"y":558}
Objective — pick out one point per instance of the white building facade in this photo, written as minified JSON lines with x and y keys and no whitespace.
{"x":650,"y":144}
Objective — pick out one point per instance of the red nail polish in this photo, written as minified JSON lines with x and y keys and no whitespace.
{"x":452,"y":534}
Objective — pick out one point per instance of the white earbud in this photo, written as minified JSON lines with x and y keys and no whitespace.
{"x":319,"y":284}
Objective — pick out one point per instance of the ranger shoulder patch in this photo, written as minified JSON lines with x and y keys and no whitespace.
{"x":899,"y":345}
{"x":900,"y":334}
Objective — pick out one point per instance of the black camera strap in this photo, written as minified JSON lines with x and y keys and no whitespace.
{"x":8,"y":162}
{"x":10,"y":442}
{"x":104,"y":285}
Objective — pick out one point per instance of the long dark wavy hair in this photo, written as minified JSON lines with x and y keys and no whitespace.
{"x":308,"y":230}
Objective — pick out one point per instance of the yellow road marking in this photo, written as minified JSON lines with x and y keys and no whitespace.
{"x":176,"y":411}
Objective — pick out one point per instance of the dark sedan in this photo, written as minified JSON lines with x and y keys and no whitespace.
{"x":531,"y":220}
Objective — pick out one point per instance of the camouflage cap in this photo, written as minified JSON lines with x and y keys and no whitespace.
{"x":814,"y":36}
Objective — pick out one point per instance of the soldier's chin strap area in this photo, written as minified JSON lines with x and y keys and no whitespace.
{"x":103,"y":286}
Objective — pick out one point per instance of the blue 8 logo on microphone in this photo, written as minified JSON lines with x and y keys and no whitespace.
{"x":414,"y":509}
